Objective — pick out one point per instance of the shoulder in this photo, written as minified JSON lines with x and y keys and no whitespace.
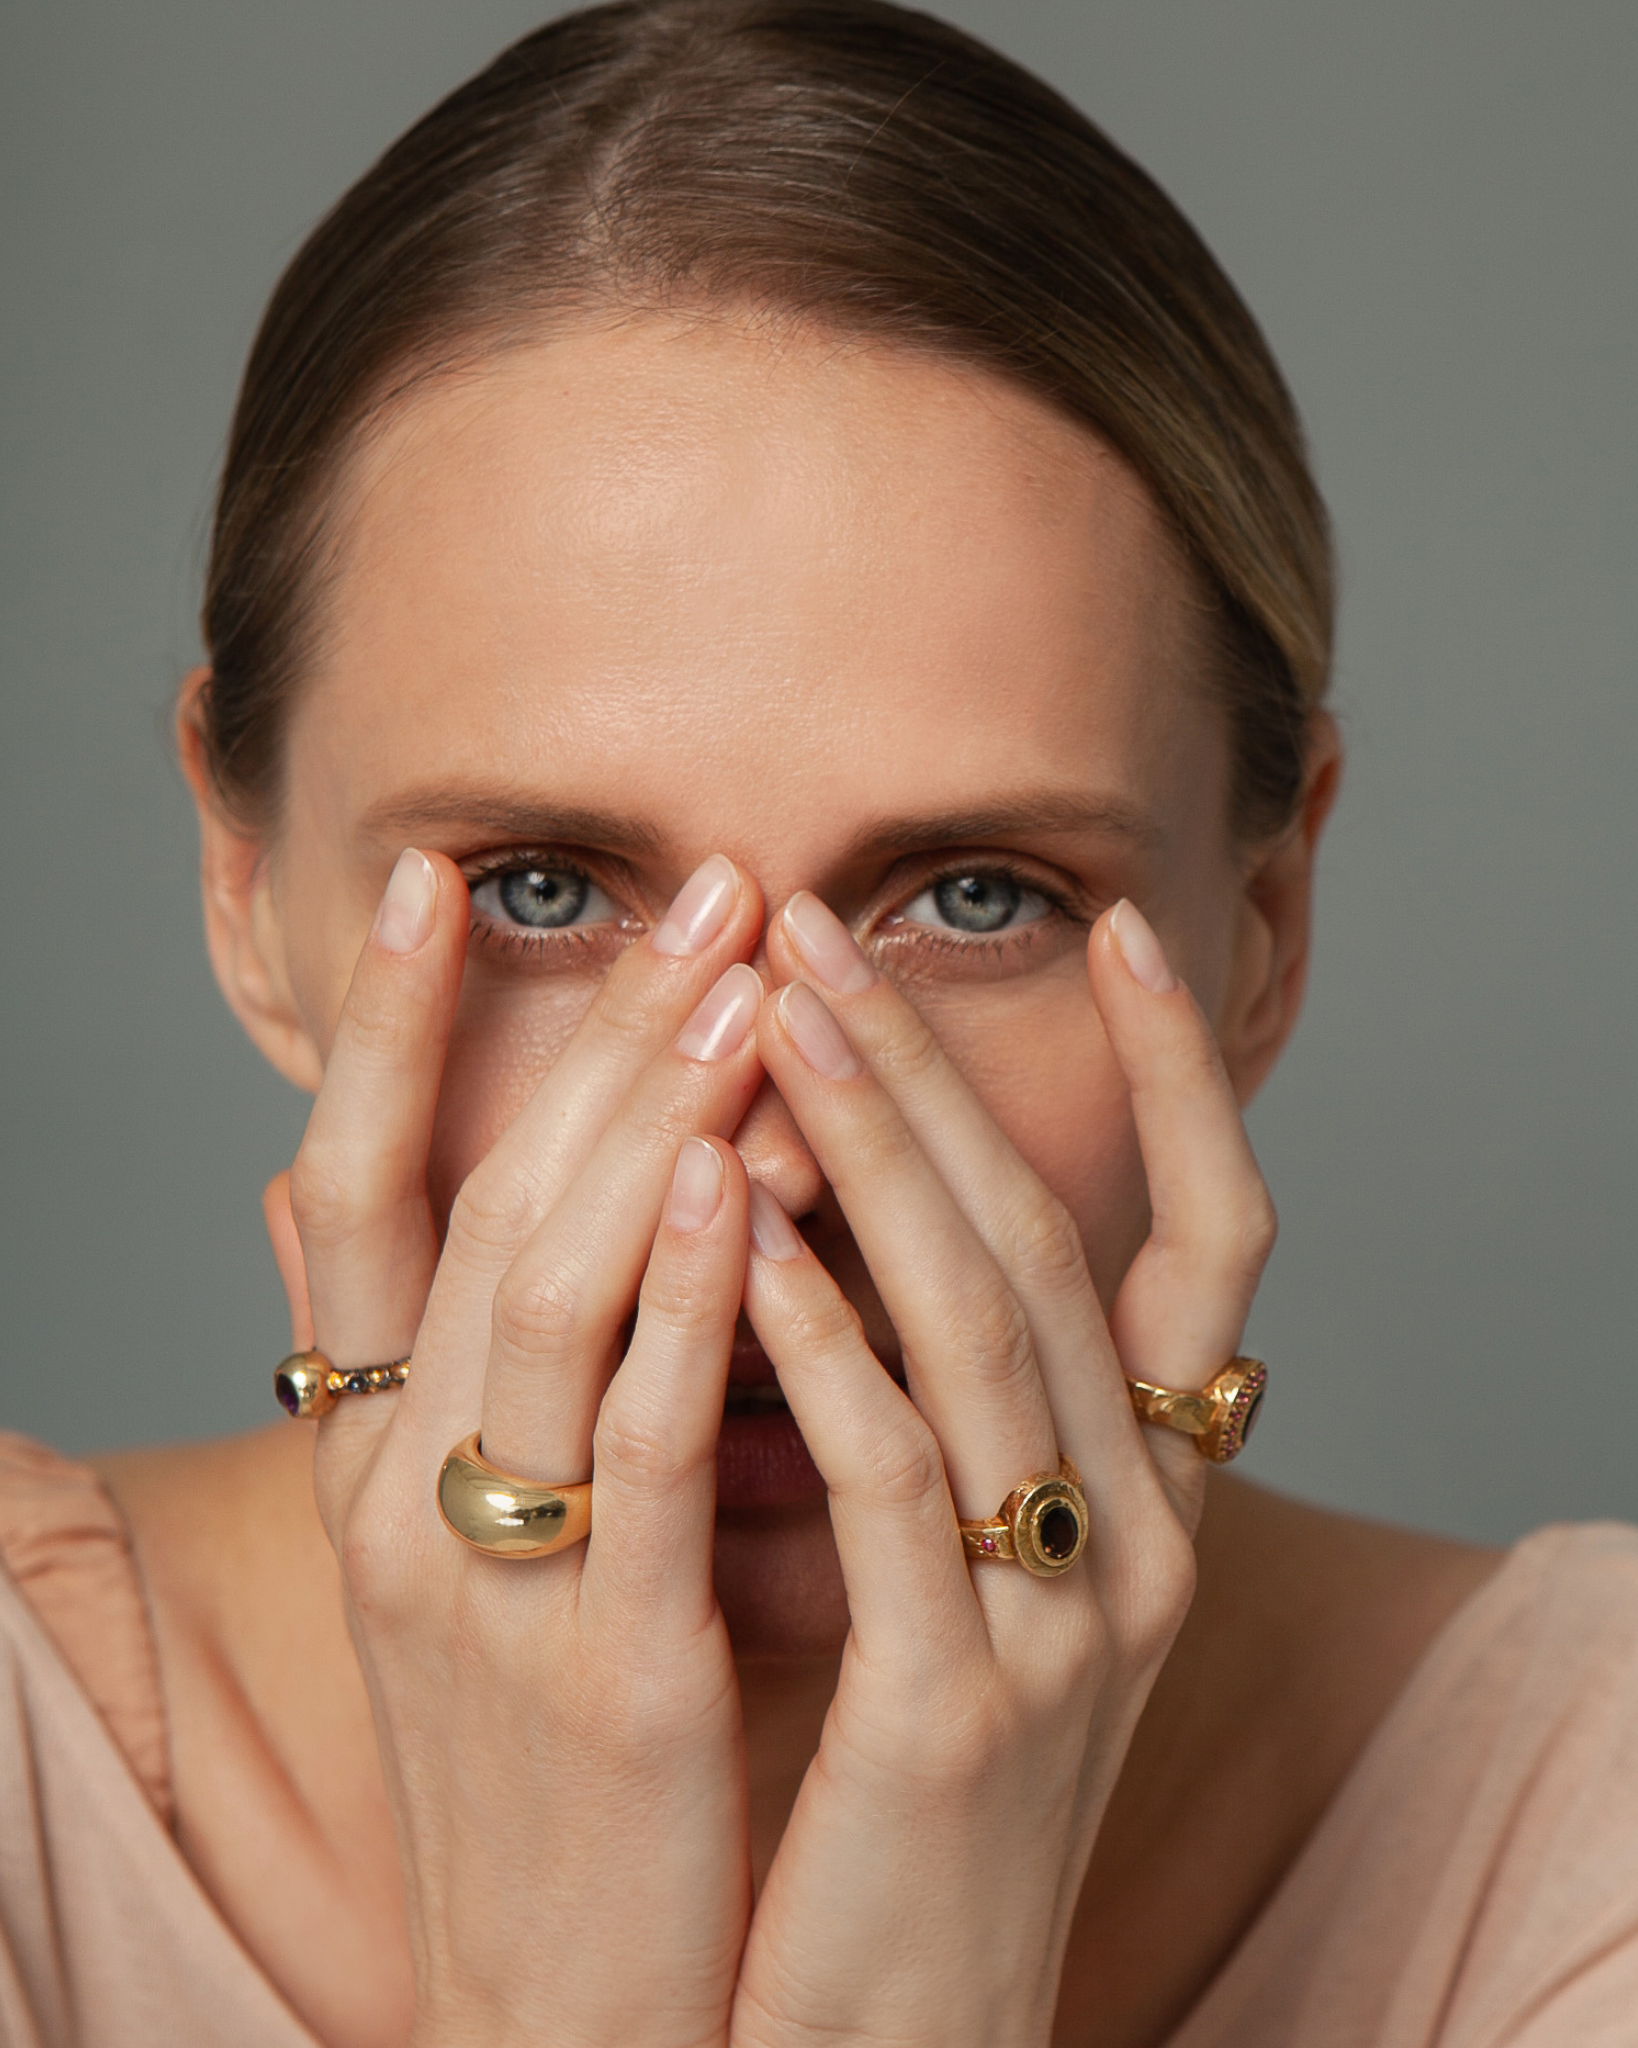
{"x":66,"y":1548}
{"x":1475,"y":1877}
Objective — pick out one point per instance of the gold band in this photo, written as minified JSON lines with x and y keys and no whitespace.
{"x":307,"y":1384}
{"x":1220,"y":1416}
{"x":1041,"y":1525}
{"x":505,"y":1516}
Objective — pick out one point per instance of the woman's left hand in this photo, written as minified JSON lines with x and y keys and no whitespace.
{"x":924,"y":1887}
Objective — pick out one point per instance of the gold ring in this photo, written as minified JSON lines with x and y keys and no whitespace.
{"x":505,"y":1516}
{"x":1041,"y":1525}
{"x":308,"y":1384}
{"x":1220,"y":1417}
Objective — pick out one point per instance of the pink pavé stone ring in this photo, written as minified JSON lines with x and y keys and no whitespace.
{"x":1041,"y":1525}
{"x":1220,"y":1416}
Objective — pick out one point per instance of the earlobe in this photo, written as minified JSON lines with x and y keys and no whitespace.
{"x":1269,"y":971}
{"x":242,"y":930}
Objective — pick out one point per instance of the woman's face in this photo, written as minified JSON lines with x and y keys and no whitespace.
{"x":872,"y":624}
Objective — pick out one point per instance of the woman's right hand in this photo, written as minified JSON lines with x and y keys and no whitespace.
{"x":562,"y":1741}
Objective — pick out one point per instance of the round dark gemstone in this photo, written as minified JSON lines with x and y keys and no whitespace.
{"x":358,"y":1383}
{"x":285,"y":1388}
{"x":1248,"y":1421}
{"x":1057,"y":1532}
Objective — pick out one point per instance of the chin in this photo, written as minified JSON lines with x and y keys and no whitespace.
{"x":779,"y":1580}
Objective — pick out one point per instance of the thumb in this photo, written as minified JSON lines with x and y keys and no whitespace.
{"x":281,"y":1231}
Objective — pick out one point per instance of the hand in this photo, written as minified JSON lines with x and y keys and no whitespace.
{"x":561,"y":1740}
{"x":924,"y":1887}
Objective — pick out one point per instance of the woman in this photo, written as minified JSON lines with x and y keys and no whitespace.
{"x":762,"y":756}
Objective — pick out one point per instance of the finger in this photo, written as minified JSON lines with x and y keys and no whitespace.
{"x":715,"y":918}
{"x":358,"y":1185}
{"x":561,"y":1307}
{"x":909,"y":1591}
{"x":969,"y":1356}
{"x":286,"y":1243}
{"x":649,"y":1558}
{"x":1182,"y":1307}
{"x":1028,"y":1232}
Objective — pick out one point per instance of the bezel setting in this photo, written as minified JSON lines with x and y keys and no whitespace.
{"x":1035,"y":1516}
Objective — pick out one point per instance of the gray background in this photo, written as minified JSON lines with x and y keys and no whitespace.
{"x":1432,"y":208}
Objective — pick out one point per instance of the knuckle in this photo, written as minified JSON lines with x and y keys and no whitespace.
{"x":822,"y":1325}
{"x":534,"y":1314}
{"x":904,"y":1466}
{"x":1245,"y":1235}
{"x":1046,"y":1244}
{"x":323,"y":1199}
{"x":487,"y":1217}
{"x":883,"y":1144}
{"x":994,"y":1335}
{"x":371,"y":1559}
{"x":631,"y":1008}
{"x":912,"y":1052}
{"x":1162,"y":1589}
{"x":628,"y":1444}
{"x":969,"y":1746}
{"x":674,"y":1295}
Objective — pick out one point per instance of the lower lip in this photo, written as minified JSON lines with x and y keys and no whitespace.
{"x":762,"y":1462}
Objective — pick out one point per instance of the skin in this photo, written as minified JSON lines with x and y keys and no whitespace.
{"x":850,"y":619}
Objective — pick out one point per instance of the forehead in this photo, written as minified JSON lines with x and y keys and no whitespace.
{"x":765,"y":569}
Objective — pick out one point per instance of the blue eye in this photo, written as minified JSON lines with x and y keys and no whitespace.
{"x":985,"y":901}
{"x":542,"y":899}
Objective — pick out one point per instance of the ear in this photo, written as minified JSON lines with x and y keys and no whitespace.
{"x":1269,"y":968}
{"x":242,"y":929}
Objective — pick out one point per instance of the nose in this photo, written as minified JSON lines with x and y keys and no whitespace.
{"x":776,"y":1153}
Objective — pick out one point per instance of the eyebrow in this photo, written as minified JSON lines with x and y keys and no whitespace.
{"x":1045,"y":811}
{"x":512,"y":817}
{"x":507,"y":816}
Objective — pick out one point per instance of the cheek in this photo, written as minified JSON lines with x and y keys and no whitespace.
{"x":505,"y":1040}
{"x":1043,"y":1069}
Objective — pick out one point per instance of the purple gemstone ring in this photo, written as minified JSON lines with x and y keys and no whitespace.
{"x":1041,"y":1525}
{"x":1219,"y":1416}
{"x":307,"y":1384}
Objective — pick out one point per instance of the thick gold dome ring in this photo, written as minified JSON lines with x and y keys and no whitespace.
{"x":1041,"y":1525}
{"x":505,"y":1516}
{"x":1220,"y":1417}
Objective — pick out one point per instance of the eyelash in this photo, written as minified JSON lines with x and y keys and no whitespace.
{"x":518,"y":944}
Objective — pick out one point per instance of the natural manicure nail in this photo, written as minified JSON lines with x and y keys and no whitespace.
{"x":698,"y":911}
{"x":1140,"y":949}
{"x":724,"y":1017}
{"x":819,"y":1038}
{"x":772,"y":1231}
{"x":403,"y":924}
{"x":826,"y":945}
{"x":696,"y":1187}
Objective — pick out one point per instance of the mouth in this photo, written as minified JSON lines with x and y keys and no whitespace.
{"x":762,"y":1460}
{"x":755,"y":1401}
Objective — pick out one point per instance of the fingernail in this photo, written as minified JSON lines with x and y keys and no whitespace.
{"x":698,"y":911}
{"x":827,"y":946}
{"x":819,"y":1038}
{"x":403,"y":924}
{"x":1140,"y":949}
{"x":772,"y":1231}
{"x":724,"y":1017}
{"x":696,"y":1187}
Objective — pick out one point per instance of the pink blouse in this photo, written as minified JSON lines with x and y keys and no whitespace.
{"x":1474,"y":1883}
